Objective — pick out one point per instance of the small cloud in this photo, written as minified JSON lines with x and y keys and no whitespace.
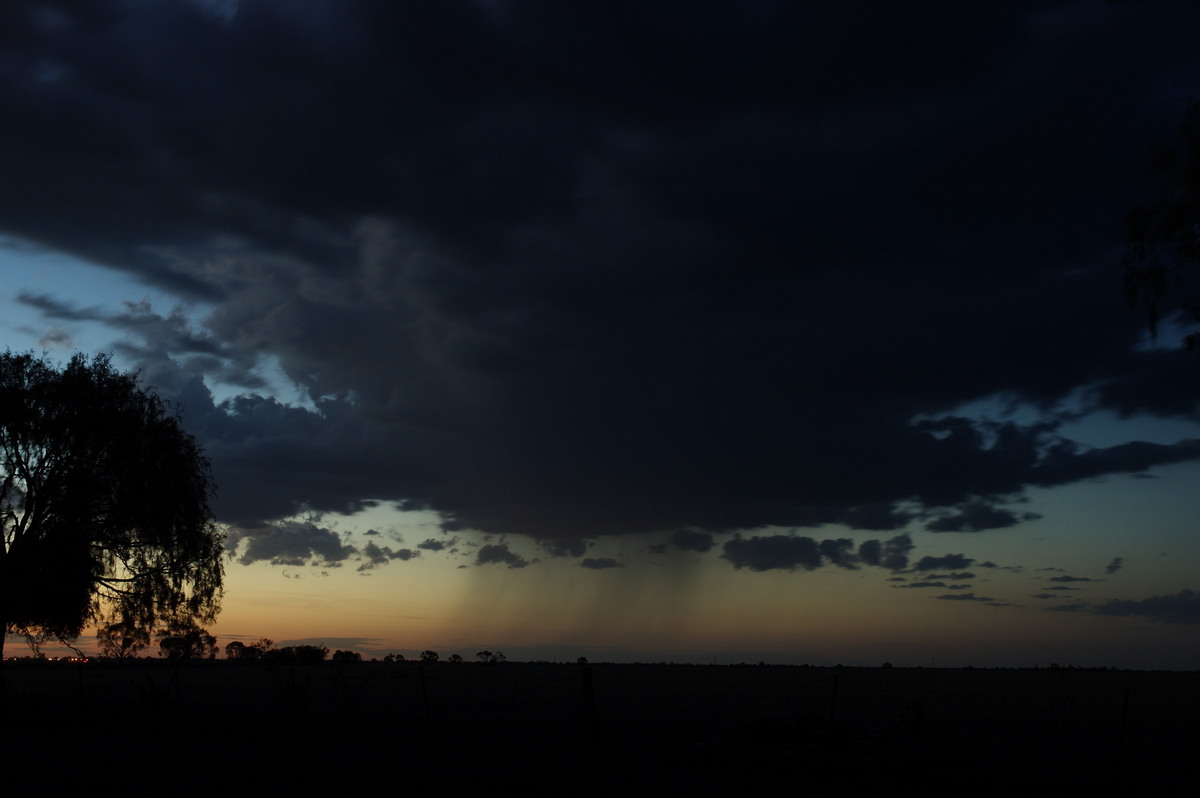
{"x":950,"y":562}
{"x":374,"y":556}
{"x":891,"y":554}
{"x":599,"y":563}
{"x":499,"y":554}
{"x":1181,"y":608}
{"x":431,"y":544}
{"x":1114,"y":566}
{"x":1068,"y":608}
{"x":289,"y":543}
{"x":840,"y":553}
{"x":56,"y":338}
{"x":773,"y":552}
{"x":1012,"y":569}
{"x":1068,"y":578}
{"x":965,"y":597}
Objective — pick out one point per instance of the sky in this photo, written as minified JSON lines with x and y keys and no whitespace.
{"x":641,"y":331}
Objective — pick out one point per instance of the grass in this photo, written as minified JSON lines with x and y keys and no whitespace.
{"x":674,"y":729}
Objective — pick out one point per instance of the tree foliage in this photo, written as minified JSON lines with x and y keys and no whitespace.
{"x":237,"y":650}
{"x":122,"y":639}
{"x":104,"y":504}
{"x":186,"y":640}
{"x":1163,"y":254}
{"x":345,"y":657}
{"x":297,"y":655}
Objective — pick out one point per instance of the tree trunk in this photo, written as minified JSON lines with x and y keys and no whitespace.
{"x":3,"y":689}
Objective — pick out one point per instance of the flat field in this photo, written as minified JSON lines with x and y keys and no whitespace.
{"x":549,"y":729}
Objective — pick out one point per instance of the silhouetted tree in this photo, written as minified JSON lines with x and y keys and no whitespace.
{"x":186,"y":640}
{"x":238,"y":650}
{"x":104,"y":504}
{"x":1163,"y":255}
{"x":300,"y":655}
{"x":429,"y":657}
{"x":122,"y":640}
{"x":346,"y":656}
{"x":455,"y":658}
{"x":488,"y":658}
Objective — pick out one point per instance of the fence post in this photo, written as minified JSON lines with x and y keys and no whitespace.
{"x":833,"y":702}
{"x":589,"y":699}
{"x":1121,"y":735}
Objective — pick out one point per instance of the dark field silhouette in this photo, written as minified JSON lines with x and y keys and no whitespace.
{"x":549,"y":729}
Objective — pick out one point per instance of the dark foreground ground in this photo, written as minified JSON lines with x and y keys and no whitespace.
{"x":537,"y":729}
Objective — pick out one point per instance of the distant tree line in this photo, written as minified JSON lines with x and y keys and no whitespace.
{"x":185,"y":640}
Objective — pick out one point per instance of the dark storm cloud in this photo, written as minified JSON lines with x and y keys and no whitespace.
{"x":579,"y":269}
{"x":691,"y":540}
{"x":565,"y":547}
{"x":173,"y":332}
{"x":153,"y":339}
{"x":977,"y":516}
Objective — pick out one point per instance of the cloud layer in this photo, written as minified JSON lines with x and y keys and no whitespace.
{"x":600,"y":268}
